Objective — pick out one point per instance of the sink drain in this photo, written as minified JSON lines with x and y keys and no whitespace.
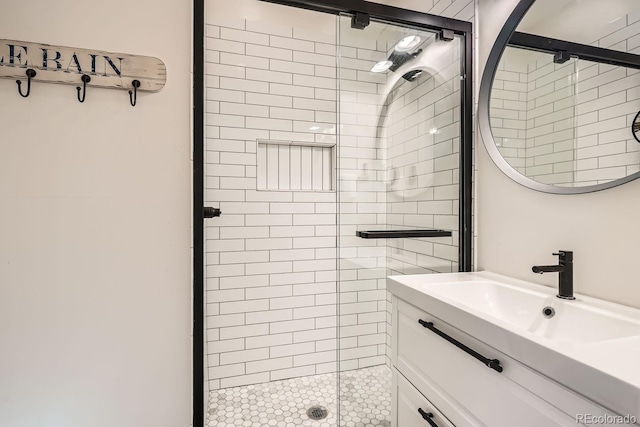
{"x":548,"y":312}
{"x":317,"y":412}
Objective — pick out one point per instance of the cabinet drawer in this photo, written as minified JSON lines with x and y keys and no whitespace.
{"x":445,"y":373}
{"x":406,"y":403}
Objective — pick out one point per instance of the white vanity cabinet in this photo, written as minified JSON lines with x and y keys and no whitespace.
{"x":412,"y":409}
{"x":432,"y":373}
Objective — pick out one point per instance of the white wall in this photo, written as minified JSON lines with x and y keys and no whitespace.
{"x":95,"y":227}
{"x":518,"y":227}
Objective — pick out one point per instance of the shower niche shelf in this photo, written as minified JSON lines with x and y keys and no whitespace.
{"x":400,"y":234}
{"x":296,"y":166}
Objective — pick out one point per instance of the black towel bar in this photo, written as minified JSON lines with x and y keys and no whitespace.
{"x":399,"y":234}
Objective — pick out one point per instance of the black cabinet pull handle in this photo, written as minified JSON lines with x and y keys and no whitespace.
{"x":491,"y":363}
{"x":427,"y":416}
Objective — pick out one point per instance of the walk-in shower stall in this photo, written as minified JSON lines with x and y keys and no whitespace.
{"x":336,"y":143}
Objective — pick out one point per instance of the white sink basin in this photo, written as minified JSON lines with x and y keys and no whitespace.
{"x":589,"y":345}
{"x":573,"y":322}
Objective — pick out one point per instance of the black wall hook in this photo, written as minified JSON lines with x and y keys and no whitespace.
{"x":85,"y":79}
{"x":133,"y":95}
{"x":31,"y":73}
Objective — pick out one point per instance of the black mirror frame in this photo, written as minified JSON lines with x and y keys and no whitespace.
{"x":635,"y":127}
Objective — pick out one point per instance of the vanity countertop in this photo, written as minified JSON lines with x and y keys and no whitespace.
{"x":590,"y":346}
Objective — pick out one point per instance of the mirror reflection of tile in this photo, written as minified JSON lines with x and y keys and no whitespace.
{"x":569,"y":124}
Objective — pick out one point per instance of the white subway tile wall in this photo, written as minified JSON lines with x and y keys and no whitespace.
{"x":271,"y":257}
{"x":272,"y":262}
{"x":569,"y":124}
{"x":423,"y":146}
{"x":458,"y":9}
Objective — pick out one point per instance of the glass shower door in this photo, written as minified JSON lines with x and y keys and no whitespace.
{"x":318,"y":136}
{"x":398,"y":172}
{"x":270,"y":278}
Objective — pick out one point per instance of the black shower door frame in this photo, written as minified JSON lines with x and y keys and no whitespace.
{"x":376,"y":11}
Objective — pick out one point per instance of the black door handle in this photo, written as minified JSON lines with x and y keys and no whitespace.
{"x":427,"y":416}
{"x":209,"y":212}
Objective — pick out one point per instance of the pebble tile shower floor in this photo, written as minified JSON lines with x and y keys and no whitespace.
{"x":365,"y":399}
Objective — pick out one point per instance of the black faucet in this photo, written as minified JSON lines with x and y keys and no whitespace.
{"x":565,"y":268}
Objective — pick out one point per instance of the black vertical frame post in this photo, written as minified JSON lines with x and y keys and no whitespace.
{"x":465,"y":216}
{"x":198,"y":219}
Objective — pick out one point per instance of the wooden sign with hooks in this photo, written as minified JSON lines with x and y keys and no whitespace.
{"x":36,"y":62}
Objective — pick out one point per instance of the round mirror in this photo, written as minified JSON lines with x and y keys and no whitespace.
{"x":559,"y":106}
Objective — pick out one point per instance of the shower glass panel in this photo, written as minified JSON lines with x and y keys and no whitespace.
{"x":270,"y":142}
{"x":398,"y":169}
{"x":315,"y":131}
